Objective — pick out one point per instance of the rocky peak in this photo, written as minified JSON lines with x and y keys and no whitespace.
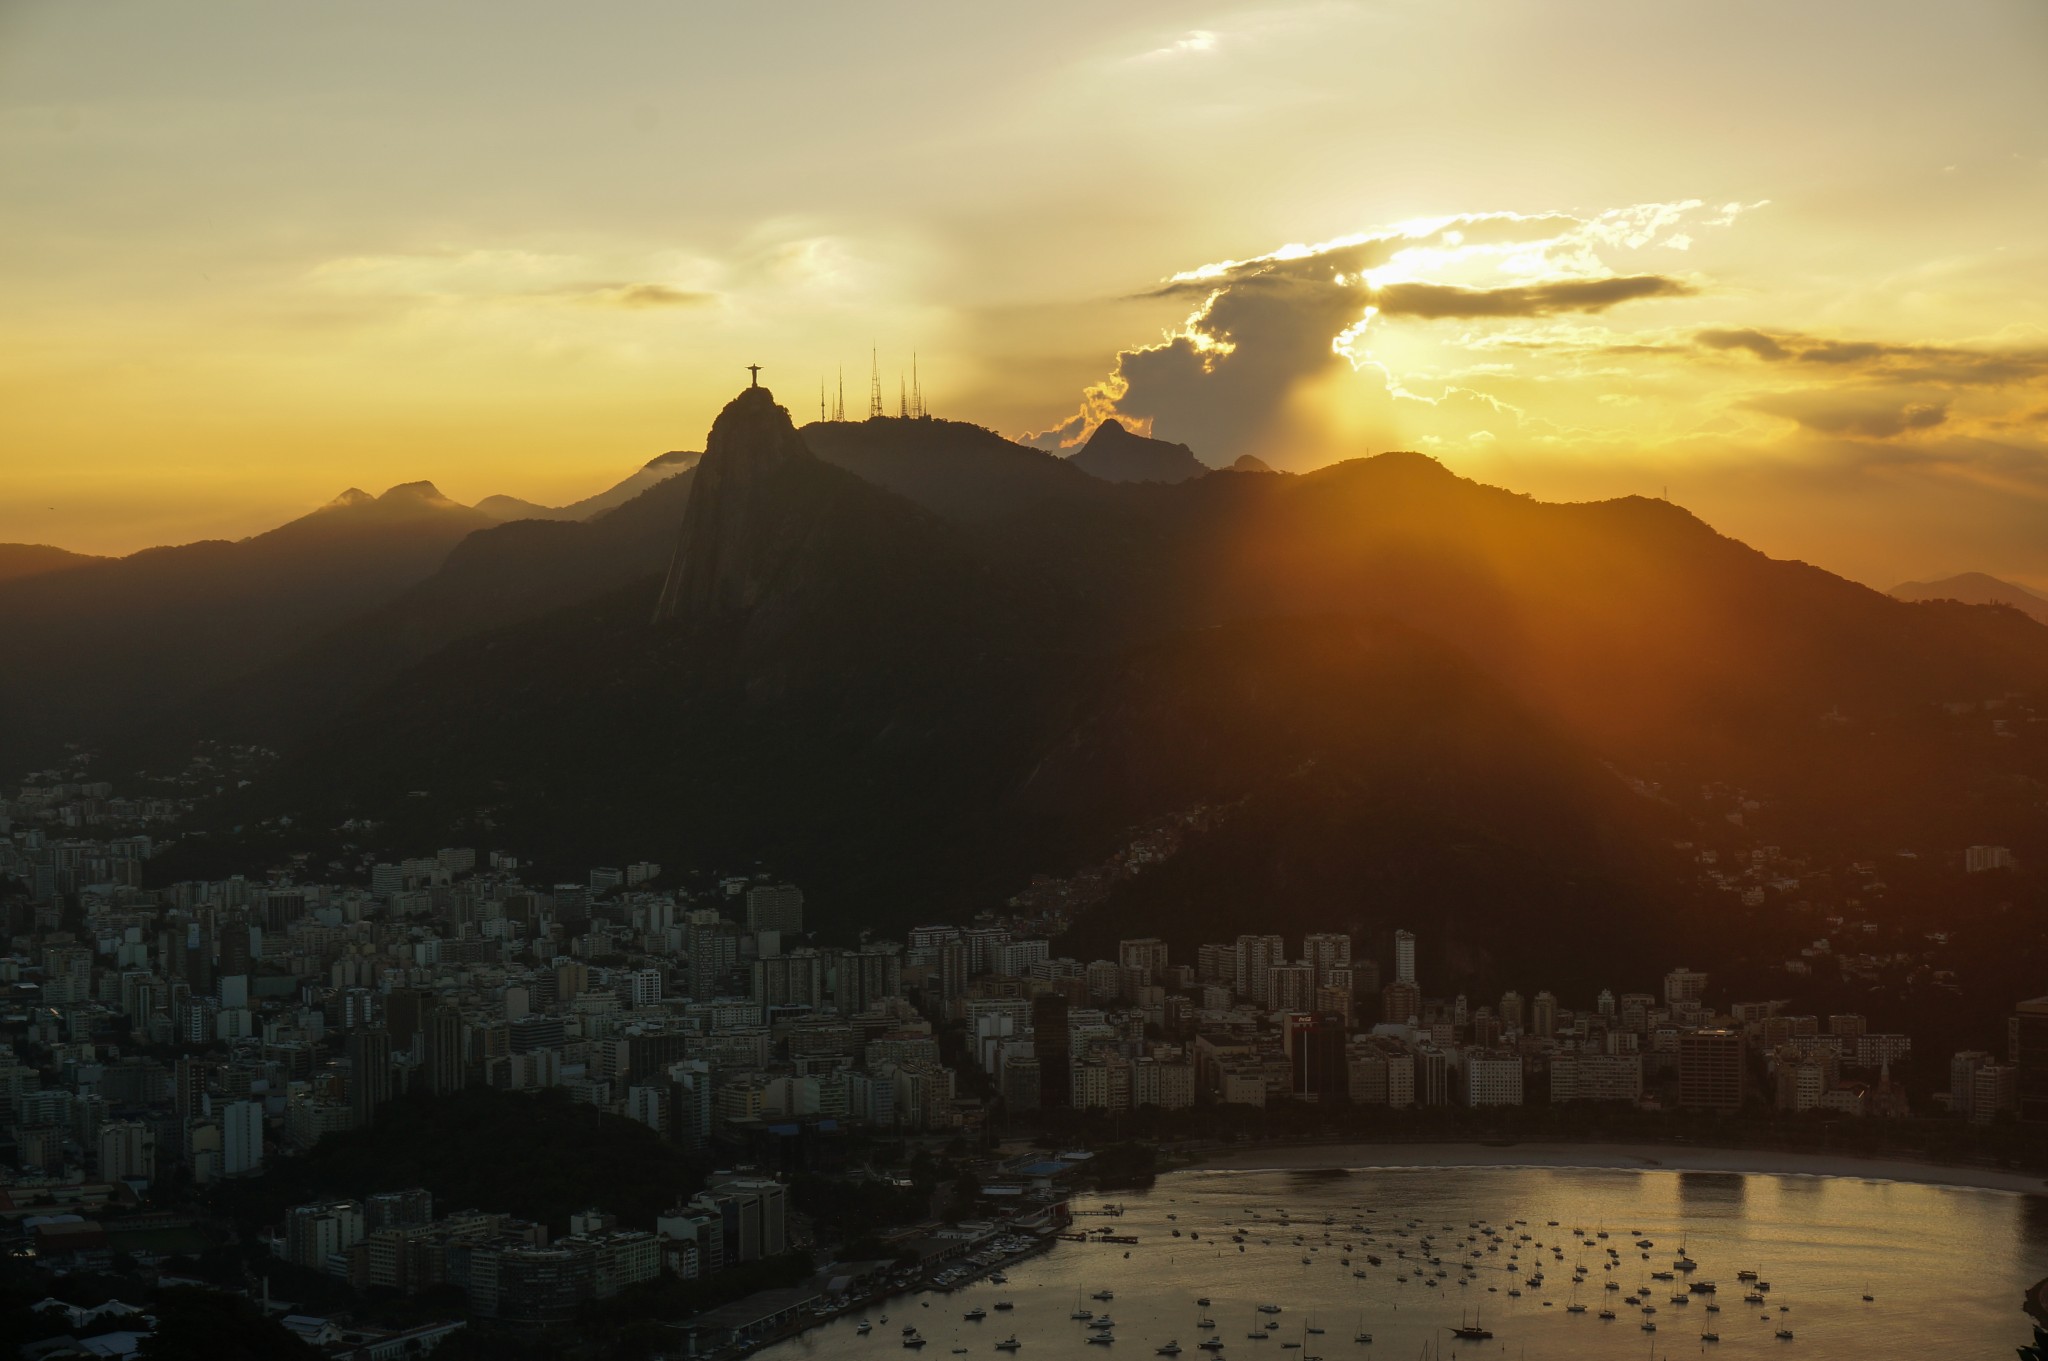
{"x":736,"y":528}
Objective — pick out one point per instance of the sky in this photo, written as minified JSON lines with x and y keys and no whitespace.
{"x":1784,"y":264}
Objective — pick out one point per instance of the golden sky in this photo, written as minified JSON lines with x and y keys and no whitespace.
{"x":1788,"y":261}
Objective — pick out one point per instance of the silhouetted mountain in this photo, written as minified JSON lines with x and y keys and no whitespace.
{"x":1976,"y":588}
{"x":915,"y":687}
{"x":1250,"y":463}
{"x":656,"y":470}
{"x":119,"y":640}
{"x":18,"y":560}
{"x":497,"y":576}
{"x":963,"y":472}
{"x":1114,"y":454}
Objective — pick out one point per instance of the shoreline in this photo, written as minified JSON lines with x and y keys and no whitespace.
{"x":1603,"y":1157}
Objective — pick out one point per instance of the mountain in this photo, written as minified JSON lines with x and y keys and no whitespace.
{"x":914,"y":666}
{"x":19,"y":560}
{"x":1976,"y":588}
{"x":495,"y":577}
{"x":845,"y":684}
{"x":656,"y":470}
{"x":115,"y":642}
{"x":1250,"y":463}
{"x":1114,"y":454}
{"x":963,"y":472}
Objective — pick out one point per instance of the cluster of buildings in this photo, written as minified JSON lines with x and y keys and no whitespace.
{"x":513,"y":1270}
{"x":205,"y":1025}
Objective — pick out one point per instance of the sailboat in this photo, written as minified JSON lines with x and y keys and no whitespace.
{"x":1362,"y":1336}
{"x":1470,"y":1332}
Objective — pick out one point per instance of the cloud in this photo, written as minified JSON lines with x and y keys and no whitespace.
{"x":644,"y":295}
{"x":1434,"y":301}
{"x":1866,"y":415}
{"x":1950,"y":365}
{"x":1756,"y":342}
{"x":1266,"y":328}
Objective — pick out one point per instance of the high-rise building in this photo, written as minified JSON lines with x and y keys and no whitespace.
{"x":2030,"y":1059}
{"x":369,"y":1074}
{"x":1404,"y":956}
{"x":1256,"y":955}
{"x":241,"y":1138}
{"x":777,"y":907}
{"x":1291,"y":987}
{"x":1710,"y":1069}
{"x":1511,"y":1010}
{"x":1325,"y":951}
{"x":1400,"y":1003}
{"x":1052,"y":1045}
{"x":1543,"y":1016}
{"x":314,"y":1232}
{"x":1683,"y":985}
{"x":1148,"y":954}
{"x":446,"y":1069}
{"x":127,"y":1151}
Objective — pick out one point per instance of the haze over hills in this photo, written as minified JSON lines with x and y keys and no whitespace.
{"x":19,"y":560}
{"x":1976,"y":588}
{"x":122,"y":640}
{"x":657,"y":469}
{"x":914,"y":664}
{"x":972,"y":662}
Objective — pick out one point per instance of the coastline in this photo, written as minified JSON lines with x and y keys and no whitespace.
{"x":1604,"y":1157}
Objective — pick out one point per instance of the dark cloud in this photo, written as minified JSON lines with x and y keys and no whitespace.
{"x":1435,"y":301}
{"x":1953,"y":365}
{"x":1261,"y":328}
{"x":1865,"y":415}
{"x":1756,"y":342}
{"x":653,"y":295}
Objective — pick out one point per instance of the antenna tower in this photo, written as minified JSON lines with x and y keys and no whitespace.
{"x":902,"y":399}
{"x":874,"y":384}
{"x":839,"y":405}
{"x":916,"y":391}
{"x":821,"y":399}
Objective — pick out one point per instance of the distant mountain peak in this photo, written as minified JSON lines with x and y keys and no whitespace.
{"x":1114,"y":454}
{"x":354,"y":496}
{"x":1249,"y":463}
{"x":414,"y":492}
{"x":1975,"y":588}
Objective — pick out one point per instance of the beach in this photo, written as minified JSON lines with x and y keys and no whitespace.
{"x":1616,"y":1157}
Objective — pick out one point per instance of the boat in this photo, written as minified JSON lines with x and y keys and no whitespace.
{"x":1171,"y":1348}
{"x":959,"y":1351}
{"x":1202,"y":1303}
{"x":1471,"y":1332}
{"x":1103,"y":1295}
{"x":998,"y":1278}
{"x":1205,"y":1322}
{"x":1214,"y":1344}
{"x":1710,"y":1337}
{"x":913,"y":1342}
{"x":1009,"y":1344}
{"x":1649,"y":1325}
{"x":975,"y":1315}
{"x":863,"y":1327}
{"x":1269,"y":1308}
{"x":910,"y":1330}
{"x":1101,"y":1339}
{"x":1607,"y":1314}
{"x":1002,"y":1305}
{"x":1362,"y":1337}
{"x":1784,"y":1334}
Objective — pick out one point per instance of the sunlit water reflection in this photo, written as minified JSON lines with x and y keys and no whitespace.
{"x":1946,"y":1268}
